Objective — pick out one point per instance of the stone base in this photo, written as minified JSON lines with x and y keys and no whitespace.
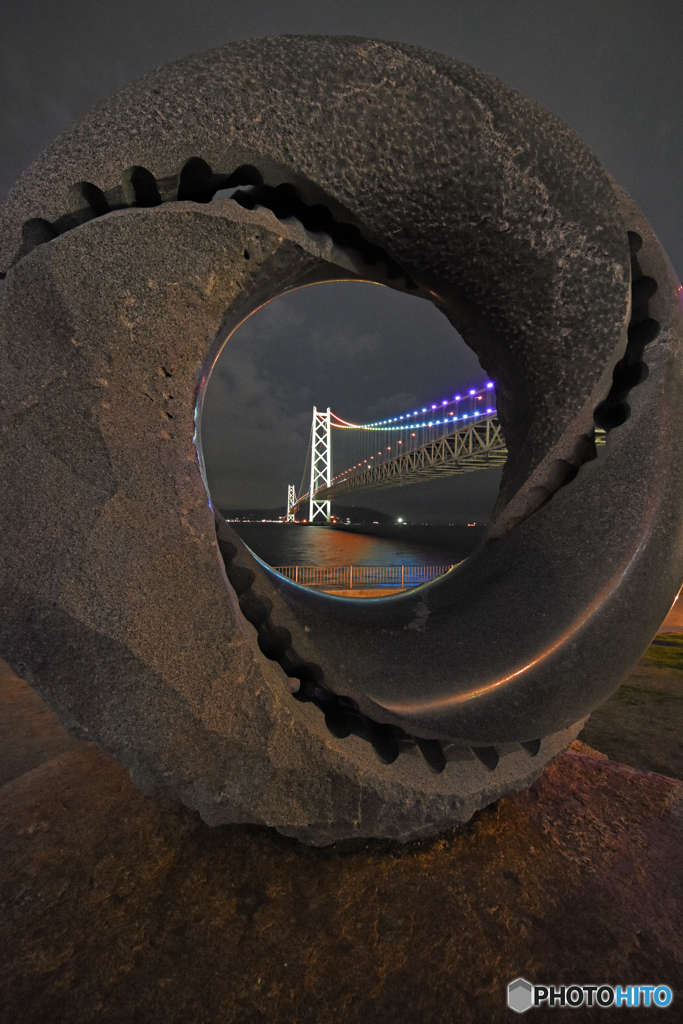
{"x":122,"y":906}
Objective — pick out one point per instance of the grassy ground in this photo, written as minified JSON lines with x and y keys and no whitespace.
{"x":642,"y":724}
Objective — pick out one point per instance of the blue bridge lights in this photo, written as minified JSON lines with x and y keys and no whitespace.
{"x":473,"y":395}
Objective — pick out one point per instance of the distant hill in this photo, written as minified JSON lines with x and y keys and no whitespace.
{"x":356,"y":513}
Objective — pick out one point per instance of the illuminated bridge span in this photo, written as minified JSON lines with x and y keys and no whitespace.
{"x":457,"y":435}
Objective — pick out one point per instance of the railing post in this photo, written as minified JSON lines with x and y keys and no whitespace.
{"x":403,"y":576}
{"x":296,"y":574}
{"x":350,"y":577}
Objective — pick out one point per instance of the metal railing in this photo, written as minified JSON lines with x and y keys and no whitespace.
{"x":346,"y":577}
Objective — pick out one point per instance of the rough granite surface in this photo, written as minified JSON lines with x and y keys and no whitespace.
{"x":490,"y":201}
{"x":115,"y":604}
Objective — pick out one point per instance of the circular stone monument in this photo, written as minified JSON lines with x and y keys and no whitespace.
{"x":141,"y":618}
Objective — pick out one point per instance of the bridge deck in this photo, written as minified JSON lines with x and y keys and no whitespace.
{"x":479,"y":446}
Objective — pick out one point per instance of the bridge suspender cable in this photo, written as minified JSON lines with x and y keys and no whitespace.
{"x":456,"y":435}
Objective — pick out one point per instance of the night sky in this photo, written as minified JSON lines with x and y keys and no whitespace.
{"x":367,"y":352}
{"x":611,"y":68}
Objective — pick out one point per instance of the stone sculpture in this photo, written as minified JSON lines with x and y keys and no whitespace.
{"x":142,"y":619}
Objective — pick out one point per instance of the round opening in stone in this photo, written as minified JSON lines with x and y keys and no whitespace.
{"x":350,"y":409}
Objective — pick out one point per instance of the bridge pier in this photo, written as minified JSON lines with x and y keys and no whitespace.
{"x":321,"y":464}
{"x":291,"y":504}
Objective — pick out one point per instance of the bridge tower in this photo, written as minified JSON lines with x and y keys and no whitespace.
{"x":321,"y":464}
{"x":291,"y":502}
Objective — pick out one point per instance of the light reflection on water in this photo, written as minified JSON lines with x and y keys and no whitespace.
{"x":291,"y":544}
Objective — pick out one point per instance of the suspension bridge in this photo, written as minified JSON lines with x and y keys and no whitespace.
{"x":456,"y":435}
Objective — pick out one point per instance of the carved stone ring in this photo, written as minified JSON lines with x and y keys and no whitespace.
{"x":143,"y":620}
